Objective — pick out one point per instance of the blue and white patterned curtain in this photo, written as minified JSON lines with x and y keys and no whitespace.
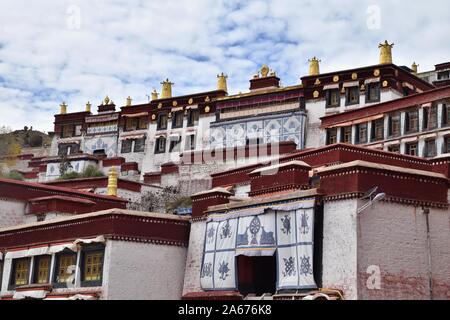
{"x":286,"y":230}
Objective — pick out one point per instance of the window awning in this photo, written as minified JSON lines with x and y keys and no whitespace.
{"x":392,"y":143}
{"x":351,"y":84}
{"x":413,"y":139}
{"x":27,"y":253}
{"x":61,"y":247}
{"x":358,"y":121}
{"x":177,"y":109}
{"x":99,"y":239}
{"x":372,"y":80}
{"x":132,"y":137}
{"x":135,"y":115}
{"x":32,"y":294}
{"x":192,"y":107}
{"x":427,"y":105}
{"x":175,"y":136}
{"x":331,"y":86}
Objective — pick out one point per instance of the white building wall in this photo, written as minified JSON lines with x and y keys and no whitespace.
{"x":11,"y":212}
{"x":143,"y":271}
{"x":194,"y":258}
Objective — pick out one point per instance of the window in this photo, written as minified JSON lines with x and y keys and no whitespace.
{"x":193,"y":116}
{"x":67,"y":131}
{"x":175,"y":144}
{"x":65,"y":268}
{"x":443,"y":75}
{"x":92,"y":268}
{"x":362,"y":133}
{"x":373,"y":92}
{"x":378,"y":130}
{"x":411,"y":149}
{"x":190,"y":142}
{"x":394,"y":125}
{"x":143,"y":123}
{"x":445,"y":115}
{"x":177,"y":119}
{"x":162,"y":122}
{"x":346,"y":134}
{"x":126,"y":146}
{"x":394,"y":148}
{"x":139,"y":145}
{"x":21,"y":272}
{"x":430,"y":148}
{"x":41,"y":269}
{"x":160,"y":145}
{"x":331,"y":136}
{"x":68,"y":149}
{"x":446,"y":148}
{"x":351,"y":96}
{"x":412,"y":121}
{"x":333,"y":98}
{"x":131,"y":124}
{"x":430,"y":118}
{"x":256,"y":275}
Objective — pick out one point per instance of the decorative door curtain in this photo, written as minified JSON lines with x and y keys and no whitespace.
{"x":283,"y":229}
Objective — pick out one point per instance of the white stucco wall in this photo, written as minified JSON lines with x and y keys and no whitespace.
{"x":194,"y":258}
{"x":12,"y":212}
{"x":143,"y":271}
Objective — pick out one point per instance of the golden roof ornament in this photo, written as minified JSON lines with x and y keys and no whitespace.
{"x":63,"y":108}
{"x":107,"y":100}
{"x":264,"y":71}
{"x":166,"y":89}
{"x":88,"y":107}
{"x":314,"y":69}
{"x":385,"y":52}
{"x":112,"y":182}
{"x":129,"y":101}
{"x":415,"y":68}
{"x":154,"y":95}
{"x":222,"y":82}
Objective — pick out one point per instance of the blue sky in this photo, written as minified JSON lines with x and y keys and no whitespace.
{"x":80,"y":50}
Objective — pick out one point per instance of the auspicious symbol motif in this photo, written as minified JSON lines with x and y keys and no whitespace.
{"x":289,"y":267}
{"x":255,"y":226}
{"x":210,"y":234}
{"x":266,"y":237}
{"x":317,"y":83}
{"x":376,"y":73}
{"x":223,"y":270}
{"x":316,"y":94}
{"x":264,"y":71}
{"x":174,"y":103}
{"x":207,"y":109}
{"x":304,"y":228}
{"x":286,"y":224}
{"x":207,"y":99}
{"x":305,"y":266}
{"x":242,"y":239}
{"x":191,"y":101}
{"x":354,"y":76}
{"x":335,"y":78}
{"x":153,"y":116}
{"x":206,"y":270}
{"x":385,"y":84}
{"x":226,"y":230}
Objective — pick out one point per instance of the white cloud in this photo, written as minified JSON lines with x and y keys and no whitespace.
{"x":123,"y":49}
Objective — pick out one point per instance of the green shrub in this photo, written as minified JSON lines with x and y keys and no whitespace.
{"x":91,"y":172}
{"x":12,"y":175}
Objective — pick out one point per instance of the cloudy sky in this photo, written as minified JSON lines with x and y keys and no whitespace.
{"x":79,"y":50}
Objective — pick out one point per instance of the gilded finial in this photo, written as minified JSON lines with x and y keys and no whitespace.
{"x":415,"y":68}
{"x":107,"y":100}
{"x":88,"y":107}
{"x":154,"y":95}
{"x":314,"y":69}
{"x":385,"y":52}
{"x":129,"y":101}
{"x":166,"y":89}
{"x":222,"y":82}
{"x":63,"y":108}
{"x":264,"y":71}
{"x":112,"y":182}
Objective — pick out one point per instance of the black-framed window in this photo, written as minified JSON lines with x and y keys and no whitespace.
{"x":143,"y":123}
{"x":446,"y":146}
{"x":175,"y":144}
{"x":41,"y":269}
{"x":361,"y":133}
{"x":430,"y":118}
{"x":394,"y":148}
{"x":160,"y":145}
{"x":126,"y":146}
{"x":378,"y":130}
{"x":68,"y":131}
{"x":92,"y":259}
{"x":412,"y":149}
{"x":346,"y":134}
{"x":351,"y":96}
{"x":373,"y":93}
{"x":162,"y":122}
{"x":394,"y":125}
{"x":331,"y":136}
{"x":443,"y":75}
{"x":65,"y":267}
{"x":131,"y":124}
{"x":139,"y":145}
{"x":412,"y":121}
{"x":20,"y":274}
{"x":193,"y":117}
{"x":177,"y":119}
{"x":254,"y":141}
{"x":430,"y":149}
{"x":190,"y":142}
{"x":333,"y":98}
{"x":445,"y":115}
{"x":66,"y":149}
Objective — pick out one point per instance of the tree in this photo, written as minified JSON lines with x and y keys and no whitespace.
{"x":64,"y":165}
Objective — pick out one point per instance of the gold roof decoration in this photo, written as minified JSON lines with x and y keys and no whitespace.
{"x":88,"y":106}
{"x":385,"y":52}
{"x":265,"y":71}
{"x":314,"y":68}
{"x":154,"y":95}
{"x":107,"y":100}
{"x":129,"y":101}
{"x":166,"y":89}
{"x":63,"y":108}
{"x":415,"y":67}
{"x":207,"y":99}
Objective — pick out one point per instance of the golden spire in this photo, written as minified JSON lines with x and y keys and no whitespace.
{"x":264,"y":70}
{"x":166,"y":89}
{"x":222,"y":82}
{"x":112,"y":182}
{"x":415,"y":68}
{"x":63,"y":108}
{"x":314,"y":69}
{"x":385,"y":52}
{"x":129,"y":101}
{"x":154,"y":95}
{"x":107,"y":100}
{"x":88,"y":107}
